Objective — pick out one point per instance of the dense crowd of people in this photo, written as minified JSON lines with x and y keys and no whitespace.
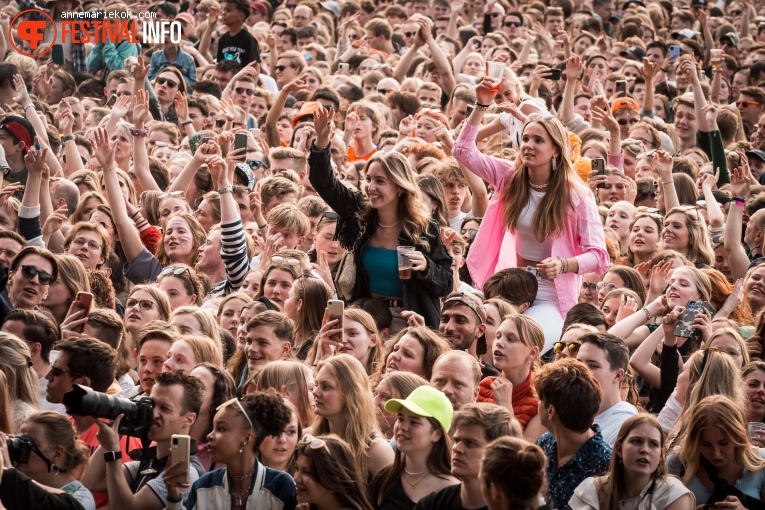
{"x":390,"y":255}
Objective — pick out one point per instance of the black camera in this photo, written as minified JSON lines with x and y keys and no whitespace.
{"x":83,"y":401}
{"x":19,"y":448}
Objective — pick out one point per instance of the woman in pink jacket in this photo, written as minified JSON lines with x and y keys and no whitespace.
{"x":542,"y":217}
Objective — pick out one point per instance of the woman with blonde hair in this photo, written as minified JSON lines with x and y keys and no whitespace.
{"x":516,"y":352}
{"x":6,"y":420}
{"x":306,"y":305}
{"x":145,"y":303}
{"x":716,"y":450}
{"x":373,"y":225}
{"x":393,"y":385}
{"x":86,"y":205}
{"x":22,"y":385}
{"x":189,"y":351}
{"x":183,"y":285}
{"x":230,"y":309}
{"x":414,"y":349}
{"x":685,"y":231}
{"x":360,"y":339}
{"x":344,"y":406}
{"x":542,"y":214}
{"x":73,"y":278}
{"x":294,"y":380}
{"x":638,"y":472}
{"x":192,"y":320}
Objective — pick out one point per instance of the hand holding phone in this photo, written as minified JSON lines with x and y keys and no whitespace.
{"x":599,"y":165}
{"x":81,"y":303}
{"x":335,"y":311}
{"x":180,"y":449}
{"x":685,"y":321}
{"x":240,"y":141}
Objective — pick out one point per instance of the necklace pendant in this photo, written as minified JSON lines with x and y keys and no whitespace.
{"x":238,"y":501}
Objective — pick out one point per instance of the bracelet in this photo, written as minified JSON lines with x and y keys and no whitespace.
{"x":667,"y":182}
{"x":139,"y":132}
{"x":30,"y":105}
{"x":480,"y":106}
{"x":227,"y":189}
{"x":647,"y":313}
{"x":739,"y":203}
{"x":564,"y":265}
{"x":186,"y":122}
{"x":176,"y":500}
{"x":67,"y":138}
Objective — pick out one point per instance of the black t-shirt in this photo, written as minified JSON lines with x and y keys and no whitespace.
{"x":395,"y":499}
{"x":447,"y":498}
{"x":242,"y":47}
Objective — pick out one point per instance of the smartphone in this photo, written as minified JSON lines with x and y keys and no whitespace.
{"x":240,"y":141}
{"x":180,"y":449}
{"x":343,"y":67}
{"x":684,"y":323}
{"x":674,"y":51}
{"x":335,"y":309}
{"x":204,"y":138}
{"x":256,"y":133}
{"x":112,"y":100}
{"x":469,"y":110}
{"x":621,"y":86}
{"x":599,"y":165}
{"x":82,"y":302}
{"x":57,"y":54}
{"x":554,"y":74}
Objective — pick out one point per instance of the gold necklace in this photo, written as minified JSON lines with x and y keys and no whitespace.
{"x":415,"y":484}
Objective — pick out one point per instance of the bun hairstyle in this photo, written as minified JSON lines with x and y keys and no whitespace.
{"x":517,"y":468}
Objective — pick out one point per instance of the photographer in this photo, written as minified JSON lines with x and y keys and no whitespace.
{"x":177,"y":398}
{"x":90,"y":363}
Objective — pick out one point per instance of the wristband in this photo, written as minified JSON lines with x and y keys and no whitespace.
{"x":667,"y":182}
{"x":67,"y":138}
{"x":139,"y":132}
{"x":647,"y":313}
{"x":176,"y":500}
{"x":227,"y":189}
{"x":739,"y":202}
{"x":112,"y":456}
{"x":261,"y":227}
{"x":186,"y":122}
{"x":30,"y":105}
{"x":480,"y":106}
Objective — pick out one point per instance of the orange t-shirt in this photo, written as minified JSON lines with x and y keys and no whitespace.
{"x":353,"y":157}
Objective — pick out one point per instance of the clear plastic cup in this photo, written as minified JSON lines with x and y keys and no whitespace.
{"x":754,"y":426}
{"x":404,"y":262}
{"x":496,"y":70}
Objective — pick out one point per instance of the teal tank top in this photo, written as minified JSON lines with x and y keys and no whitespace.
{"x":381,"y":266}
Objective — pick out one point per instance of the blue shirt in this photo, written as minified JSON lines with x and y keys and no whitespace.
{"x":184,"y":62}
{"x":592,"y":459}
{"x":382,"y":267}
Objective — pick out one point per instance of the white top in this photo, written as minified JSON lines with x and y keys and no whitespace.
{"x":515,"y":126}
{"x":610,"y":420}
{"x":269,"y":83}
{"x":456,"y":222}
{"x":665,"y":492}
{"x":81,"y":494}
{"x":670,"y":412}
{"x":528,"y":246}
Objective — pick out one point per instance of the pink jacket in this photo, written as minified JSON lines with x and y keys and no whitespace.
{"x":494,"y":247}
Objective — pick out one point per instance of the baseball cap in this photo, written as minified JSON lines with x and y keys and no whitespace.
{"x":186,"y":18}
{"x":466,"y":299}
{"x":625,"y":103}
{"x":20,"y":128}
{"x":628,"y":2}
{"x":755,"y":154}
{"x":732,"y":37}
{"x":307,"y":109}
{"x":3,"y":162}
{"x":634,"y":53}
{"x":686,"y":32}
{"x":332,"y":7}
{"x":260,"y":7}
{"x":425,"y":401}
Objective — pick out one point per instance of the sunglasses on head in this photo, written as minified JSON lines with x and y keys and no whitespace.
{"x":573,"y":347}
{"x":330,"y":215}
{"x":170,"y":83}
{"x":241,"y":90}
{"x":315,"y":443}
{"x":30,"y":272}
{"x":175,"y":271}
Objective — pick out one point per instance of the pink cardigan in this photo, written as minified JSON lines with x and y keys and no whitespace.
{"x":494,"y":247}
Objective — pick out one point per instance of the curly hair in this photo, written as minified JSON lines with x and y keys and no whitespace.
{"x":268,"y":413}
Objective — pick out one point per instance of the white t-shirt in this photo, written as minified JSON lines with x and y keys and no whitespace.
{"x":81,"y":494}
{"x":611,"y":420}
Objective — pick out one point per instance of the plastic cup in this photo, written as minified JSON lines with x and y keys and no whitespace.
{"x":754,"y":426}
{"x":404,"y":262}
{"x":496,"y":70}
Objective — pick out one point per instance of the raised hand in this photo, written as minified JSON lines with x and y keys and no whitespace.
{"x":140,"y":108}
{"x":606,"y":119}
{"x":630,"y":190}
{"x":35,"y":158}
{"x":425,"y":30}
{"x":104,"y":149}
{"x":574,"y":68}
{"x":660,"y":274}
{"x":627,"y":306}
{"x":407,"y":125}
{"x":212,"y":16}
{"x":121,"y":107}
{"x":649,"y":69}
{"x":663,"y":161}
{"x":140,"y":70}
{"x":322,"y":119}
{"x":296,"y":84}
{"x":65,"y":119}
{"x":181,"y":105}
{"x":351,"y":121}
{"x":22,"y":95}
{"x":669,"y":322}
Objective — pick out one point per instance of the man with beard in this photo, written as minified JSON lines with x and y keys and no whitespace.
{"x":463,"y":324}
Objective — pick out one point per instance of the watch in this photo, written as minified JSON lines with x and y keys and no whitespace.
{"x":112,"y":456}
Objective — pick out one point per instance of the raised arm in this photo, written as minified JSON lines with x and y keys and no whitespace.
{"x":140,"y":155}
{"x":129,"y":238}
{"x":641,"y":358}
{"x":206,"y":39}
{"x":182,"y":110}
{"x":649,"y":71}
{"x":459,"y":58}
{"x":714,"y":211}
{"x":29,"y":214}
{"x":689,"y":68}
{"x":399,"y":73}
{"x":272,"y":132}
{"x":454,"y":14}
{"x":664,"y":168}
{"x":72,"y":155}
{"x":737,"y":257}
{"x":439,"y":59}
{"x":573,"y":74}
{"x":632,"y":329}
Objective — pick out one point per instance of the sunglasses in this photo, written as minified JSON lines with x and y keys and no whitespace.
{"x":384,"y":92}
{"x":315,"y":443}
{"x":331,"y":215}
{"x":175,"y":271}
{"x":513,"y":24}
{"x":624,"y":122}
{"x":494,"y":14}
{"x":573,"y":347}
{"x":735,"y":13}
{"x":242,"y":90}
{"x":168,"y":145}
{"x":30,"y":272}
{"x":236,"y":401}
{"x":609,"y":286}
{"x":255,"y":164}
{"x":278,"y":260}
{"x":144,"y":304}
{"x":56,"y":371}
{"x":220,"y":123}
{"x":280,"y":69}
{"x":744,"y":104}
{"x":170,"y":83}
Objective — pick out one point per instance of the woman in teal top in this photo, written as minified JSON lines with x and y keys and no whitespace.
{"x":371,"y":225}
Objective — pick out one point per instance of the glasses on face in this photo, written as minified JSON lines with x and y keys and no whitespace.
{"x":735,"y":13}
{"x":315,"y":443}
{"x":30,"y":272}
{"x":236,"y":401}
{"x":57,"y":371}
{"x":573,"y":347}
{"x":220,"y":123}
{"x":170,"y":83}
{"x":255,"y":164}
{"x":589,"y":288}
{"x":143,"y":304}
{"x":9,"y":254}
{"x":608,"y":286}
{"x":624,"y":122}
{"x":280,"y":69}
{"x":242,"y":90}
{"x":513,"y":24}
{"x":81,"y":241}
{"x":744,"y":104}
{"x":168,"y":145}
{"x":409,"y":34}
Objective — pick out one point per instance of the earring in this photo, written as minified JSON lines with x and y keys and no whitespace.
{"x":241,"y":449}
{"x":554,"y":163}
{"x":57,"y":471}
